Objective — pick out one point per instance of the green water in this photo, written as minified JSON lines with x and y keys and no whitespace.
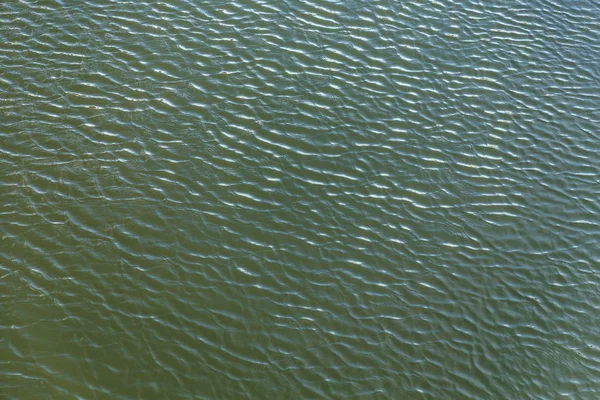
{"x":296,"y":199}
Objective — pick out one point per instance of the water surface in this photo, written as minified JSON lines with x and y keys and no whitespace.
{"x":299,"y":199}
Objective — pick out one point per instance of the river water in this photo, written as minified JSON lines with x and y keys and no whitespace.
{"x":299,"y":199}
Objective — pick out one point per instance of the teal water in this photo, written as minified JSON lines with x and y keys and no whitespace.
{"x":299,"y":199}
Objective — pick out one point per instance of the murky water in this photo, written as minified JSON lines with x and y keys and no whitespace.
{"x":299,"y":199}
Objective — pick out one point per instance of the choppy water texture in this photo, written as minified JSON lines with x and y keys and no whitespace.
{"x":299,"y":199}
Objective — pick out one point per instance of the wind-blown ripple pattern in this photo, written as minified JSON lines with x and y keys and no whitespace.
{"x":300,"y":199}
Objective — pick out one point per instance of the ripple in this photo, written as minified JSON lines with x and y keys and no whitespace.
{"x":300,"y":199}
